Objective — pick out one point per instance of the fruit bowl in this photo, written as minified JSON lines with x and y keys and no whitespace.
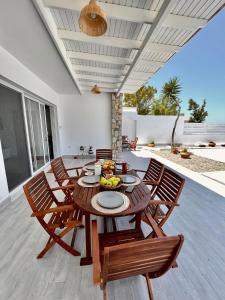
{"x":111,"y":182}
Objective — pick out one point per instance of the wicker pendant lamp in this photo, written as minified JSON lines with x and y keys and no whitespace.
{"x":93,"y":20}
{"x":96,"y":90}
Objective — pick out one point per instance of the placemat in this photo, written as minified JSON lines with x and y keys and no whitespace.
{"x":117,"y":210}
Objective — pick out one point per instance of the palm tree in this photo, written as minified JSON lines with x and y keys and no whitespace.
{"x":171,"y":91}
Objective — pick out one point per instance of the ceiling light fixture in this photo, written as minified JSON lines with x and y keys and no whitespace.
{"x":96,"y":90}
{"x":93,"y":20}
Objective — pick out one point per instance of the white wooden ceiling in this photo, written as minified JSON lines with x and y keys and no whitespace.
{"x":142,"y":36}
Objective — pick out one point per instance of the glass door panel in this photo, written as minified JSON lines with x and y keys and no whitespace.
{"x":35,"y":134}
{"x":13,"y":137}
{"x":45,"y":132}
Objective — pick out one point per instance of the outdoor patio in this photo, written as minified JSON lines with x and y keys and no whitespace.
{"x":66,"y":69}
{"x":201,"y":266}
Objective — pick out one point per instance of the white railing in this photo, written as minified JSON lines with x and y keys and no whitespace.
{"x":204,"y":128}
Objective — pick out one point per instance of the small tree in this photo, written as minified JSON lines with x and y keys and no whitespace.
{"x":142,"y":99}
{"x":198,"y":112}
{"x":171,"y":91}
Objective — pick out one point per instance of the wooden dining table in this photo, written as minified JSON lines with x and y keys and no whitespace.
{"x":139,"y":200}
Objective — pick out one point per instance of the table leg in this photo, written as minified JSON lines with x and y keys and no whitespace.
{"x":88,"y":259}
{"x":138,"y":221}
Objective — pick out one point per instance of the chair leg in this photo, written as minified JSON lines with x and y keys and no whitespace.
{"x":58,"y":239}
{"x":150,"y":291}
{"x":104,"y":293}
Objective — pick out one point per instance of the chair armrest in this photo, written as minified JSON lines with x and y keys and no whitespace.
{"x":96,"y":254}
{"x":63,"y":187}
{"x":140,"y":171}
{"x":53,"y":210}
{"x":150,"y":182}
{"x":163,"y":202}
{"x":154,"y":225}
{"x":67,"y":178}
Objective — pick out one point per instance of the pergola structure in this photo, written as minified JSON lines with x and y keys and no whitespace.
{"x":142,"y":36}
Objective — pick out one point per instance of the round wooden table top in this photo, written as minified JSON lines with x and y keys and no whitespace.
{"x":139,"y":198}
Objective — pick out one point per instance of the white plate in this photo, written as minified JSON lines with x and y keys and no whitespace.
{"x":110,"y":199}
{"x":92,"y":179}
{"x":129,"y":179}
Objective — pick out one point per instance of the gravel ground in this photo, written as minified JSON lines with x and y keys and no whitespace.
{"x":195,"y":163}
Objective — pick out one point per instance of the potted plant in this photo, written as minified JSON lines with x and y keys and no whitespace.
{"x":151,"y":144}
{"x":184,"y":153}
{"x":212,"y":144}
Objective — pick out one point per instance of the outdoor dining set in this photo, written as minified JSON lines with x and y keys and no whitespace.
{"x":110,"y":189}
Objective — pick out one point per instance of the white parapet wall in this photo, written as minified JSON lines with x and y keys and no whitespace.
{"x":151,"y":128}
{"x":159,"y":129}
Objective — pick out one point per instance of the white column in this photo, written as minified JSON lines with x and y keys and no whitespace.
{"x":4,"y":191}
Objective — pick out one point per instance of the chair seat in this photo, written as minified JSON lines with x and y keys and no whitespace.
{"x":119,"y":237}
{"x":69,"y":218}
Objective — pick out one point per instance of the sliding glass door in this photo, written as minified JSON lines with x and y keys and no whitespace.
{"x":38,"y":135}
{"x":13,"y":137}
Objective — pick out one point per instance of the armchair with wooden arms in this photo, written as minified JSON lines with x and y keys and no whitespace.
{"x":164,"y":198}
{"x":55,"y":217}
{"x":153,"y":174}
{"x":120,"y":255}
{"x":61,"y":174}
{"x":133,"y":144}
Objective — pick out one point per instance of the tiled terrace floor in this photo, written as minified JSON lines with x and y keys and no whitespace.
{"x":200,"y":275}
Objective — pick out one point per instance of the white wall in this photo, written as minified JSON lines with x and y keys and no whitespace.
{"x":4,"y":192}
{"x":14,"y":71}
{"x":84,"y":120}
{"x":148,"y":128}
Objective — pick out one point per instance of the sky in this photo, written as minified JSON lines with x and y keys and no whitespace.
{"x":200,"y":67}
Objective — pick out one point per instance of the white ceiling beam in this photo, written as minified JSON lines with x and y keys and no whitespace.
{"x":49,"y":22}
{"x":98,"y":57}
{"x":101,"y":40}
{"x":135,"y":81}
{"x":115,"y":42}
{"x":176,"y":21}
{"x":100,"y":78}
{"x":112,"y":10}
{"x":106,"y":71}
{"x":139,"y":75}
{"x":159,"y":20}
{"x":131,"y":14}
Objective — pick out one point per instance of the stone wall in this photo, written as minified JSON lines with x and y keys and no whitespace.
{"x":116,"y":124}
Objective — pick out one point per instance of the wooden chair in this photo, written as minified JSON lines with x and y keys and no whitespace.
{"x":116,"y":255}
{"x":61,"y":173}
{"x":164,"y":198}
{"x":51,"y":214}
{"x":133,"y":144}
{"x":125,"y":142}
{"x":103,"y":154}
{"x":153,"y":174}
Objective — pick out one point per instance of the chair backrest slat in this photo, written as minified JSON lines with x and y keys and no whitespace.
{"x":170,"y":187}
{"x":103,"y":154}
{"x":38,"y":193}
{"x":153,"y":256}
{"x":154,"y":171}
{"x":58,"y":169}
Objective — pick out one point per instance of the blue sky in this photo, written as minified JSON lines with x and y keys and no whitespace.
{"x":200,"y":66}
